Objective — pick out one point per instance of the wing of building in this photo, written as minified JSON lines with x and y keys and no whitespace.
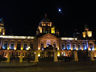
{"x":46,"y":43}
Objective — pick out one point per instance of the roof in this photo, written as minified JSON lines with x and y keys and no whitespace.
{"x":17,"y":37}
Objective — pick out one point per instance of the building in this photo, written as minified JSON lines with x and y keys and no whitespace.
{"x":46,"y":43}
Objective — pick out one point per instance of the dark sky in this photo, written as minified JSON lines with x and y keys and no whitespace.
{"x":21,"y":17}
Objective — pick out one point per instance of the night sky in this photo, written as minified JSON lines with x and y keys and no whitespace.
{"x":21,"y":17}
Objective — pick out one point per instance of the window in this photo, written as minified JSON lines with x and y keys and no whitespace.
{"x":5,"y":46}
{"x":25,"y":46}
{"x":84,"y":46}
{"x":63,"y":46}
{"x":31,"y":45}
{"x":74,"y":47}
{"x":42,"y":46}
{"x":18,"y":46}
{"x":12,"y":46}
{"x":91,"y":46}
{"x":68,"y":47}
{"x":79,"y":48}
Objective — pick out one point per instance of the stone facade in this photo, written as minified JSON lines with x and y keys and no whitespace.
{"x":46,"y":43}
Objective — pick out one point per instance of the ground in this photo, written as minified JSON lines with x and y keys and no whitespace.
{"x":51,"y":67}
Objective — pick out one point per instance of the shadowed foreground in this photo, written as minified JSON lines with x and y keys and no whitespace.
{"x":52,"y":67}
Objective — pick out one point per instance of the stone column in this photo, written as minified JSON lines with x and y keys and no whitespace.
{"x":28,"y":45}
{"x":21,"y":45}
{"x":92,"y":55}
{"x":36,"y":56}
{"x":21,"y":57}
{"x":71,"y":46}
{"x":57,"y":44}
{"x":55,"y":57}
{"x":1,"y":44}
{"x":75,"y":56}
{"x":81,"y":46}
{"x":8,"y":57}
{"x":76,"y":46}
{"x":8,"y":47}
{"x":15,"y":45}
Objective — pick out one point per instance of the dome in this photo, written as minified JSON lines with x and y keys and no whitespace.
{"x":45,"y":20}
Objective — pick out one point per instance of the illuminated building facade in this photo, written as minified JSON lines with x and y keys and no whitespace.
{"x":46,"y":43}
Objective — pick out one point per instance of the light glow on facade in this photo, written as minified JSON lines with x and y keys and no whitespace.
{"x":89,"y":33}
{"x":53,"y":30}
{"x":17,"y":37}
{"x":66,"y":38}
{"x":58,"y":54}
{"x":38,"y":54}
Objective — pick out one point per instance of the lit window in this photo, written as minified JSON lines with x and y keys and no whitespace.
{"x":43,"y":24}
{"x":79,"y":48}
{"x":5,"y":46}
{"x":89,"y":33}
{"x":74,"y":47}
{"x":63,"y":46}
{"x":68,"y":47}
{"x":40,"y":29}
{"x":84,"y":34}
{"x":84,"y":46}
{"x":91,"y":46}
{"x":53,"y":30}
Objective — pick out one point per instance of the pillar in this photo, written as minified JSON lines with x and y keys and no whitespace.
{"x":21,"y":57}
{"x":92,"y":56}
{"x":21,"y":45}
{"x":15,"y":45}
{"x":8,"y":57}
{"x":36,"y":56}
{"x":81,"y":46}
{"x":57,"y":45}
{"x":55,"y":57}
{"x":71,"y":46}
{"x":1,"y":44}
{"x":8,"y":47}
{"x":75,"y":56}
{"x":28,"y":45}
{"x":76,"y":46}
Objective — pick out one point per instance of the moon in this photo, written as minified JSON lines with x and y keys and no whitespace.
{"x":59,"y":10}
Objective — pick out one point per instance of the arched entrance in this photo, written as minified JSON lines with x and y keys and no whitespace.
{"x":50,"y":45}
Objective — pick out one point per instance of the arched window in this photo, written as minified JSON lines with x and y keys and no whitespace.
{"x":91,"y":46}
{"x":79,"y":47}
{"x":63,"y":46}
{"x":12,"y":46}
{"x":42,"y":46}
{"x":68,"y":47}
{"x":84,"y":46}
{"x":5,"y":45}
{"x":18,"y":46}
{"x":74,"y":46}
{"x":48,"y":42}
{"x":24,"y":46}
